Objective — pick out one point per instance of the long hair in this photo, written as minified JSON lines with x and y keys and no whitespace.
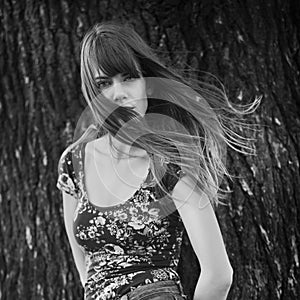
{"x":188,"y":122}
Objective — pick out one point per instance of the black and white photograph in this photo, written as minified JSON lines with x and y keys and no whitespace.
{"x":150,"y":150}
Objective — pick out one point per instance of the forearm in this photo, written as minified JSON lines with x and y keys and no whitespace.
{"x":212,"y":288}
{"x":79,"y":259}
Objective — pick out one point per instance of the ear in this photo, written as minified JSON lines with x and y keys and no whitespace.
{"x":149,"y":91}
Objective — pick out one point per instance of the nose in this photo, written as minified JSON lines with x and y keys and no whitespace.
{"x":119,"y":93}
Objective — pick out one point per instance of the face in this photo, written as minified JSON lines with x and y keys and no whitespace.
{"x":124,"y":90}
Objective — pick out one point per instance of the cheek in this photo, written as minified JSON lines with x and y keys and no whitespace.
{"x":142,"y":104}
{"x":107,"y":93}
{"x":140,"y":91}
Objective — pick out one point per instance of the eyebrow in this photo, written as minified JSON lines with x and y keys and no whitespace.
{"x":108,"y":77}
{"x":101,"y":77}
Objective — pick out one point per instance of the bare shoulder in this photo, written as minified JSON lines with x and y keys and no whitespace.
{"x":187,"y":193}
{"x":97,"y":146}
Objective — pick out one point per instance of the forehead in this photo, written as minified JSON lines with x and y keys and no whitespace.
{"x":99,"y":73}
{"x":101,"y":66}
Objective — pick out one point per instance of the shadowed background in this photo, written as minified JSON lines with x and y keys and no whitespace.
{"x":252,"y":46}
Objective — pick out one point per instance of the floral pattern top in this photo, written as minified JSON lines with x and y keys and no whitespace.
{"x":129,"y":244}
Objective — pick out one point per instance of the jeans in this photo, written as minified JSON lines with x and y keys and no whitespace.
{"x":160,"y":290}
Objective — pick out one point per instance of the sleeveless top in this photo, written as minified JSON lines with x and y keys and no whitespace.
{"x":127,"y":245}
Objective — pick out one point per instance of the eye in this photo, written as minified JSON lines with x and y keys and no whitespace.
{"x":102,"y":84}
{"x":129,"y":77}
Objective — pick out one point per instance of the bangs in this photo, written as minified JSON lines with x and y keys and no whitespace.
{"x":112,"y":56}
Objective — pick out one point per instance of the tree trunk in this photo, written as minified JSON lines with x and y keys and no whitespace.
{"x":252,"y":46}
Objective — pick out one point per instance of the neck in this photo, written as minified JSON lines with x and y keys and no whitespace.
{"x":121,"y":150}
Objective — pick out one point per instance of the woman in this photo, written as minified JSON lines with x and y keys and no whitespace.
{"x":148,"y":167}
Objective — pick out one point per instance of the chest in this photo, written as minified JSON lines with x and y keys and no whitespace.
{"x":133,"y":227}
{"x":107,"y":184}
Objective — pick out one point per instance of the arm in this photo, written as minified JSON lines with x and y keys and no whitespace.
{"x":69,"y":205}
{"x":206,"y":238}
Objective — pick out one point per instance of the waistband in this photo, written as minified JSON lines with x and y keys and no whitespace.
{"x":159,"y":286}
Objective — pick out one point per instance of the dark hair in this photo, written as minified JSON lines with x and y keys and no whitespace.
{"x":188,"y":122}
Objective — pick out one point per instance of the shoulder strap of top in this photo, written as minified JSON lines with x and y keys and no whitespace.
{"x":172,"y":176}
{"x":67,"y":180}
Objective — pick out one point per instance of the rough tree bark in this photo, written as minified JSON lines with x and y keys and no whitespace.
{"x":252,"y":46}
